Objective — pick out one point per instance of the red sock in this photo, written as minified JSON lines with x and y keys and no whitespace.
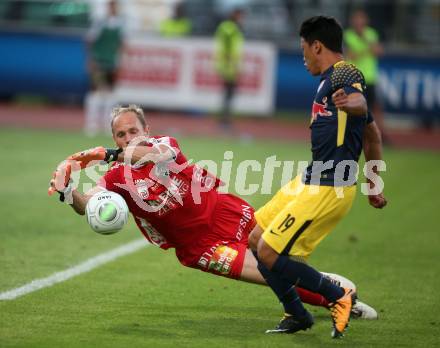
{"x":312,"y":298}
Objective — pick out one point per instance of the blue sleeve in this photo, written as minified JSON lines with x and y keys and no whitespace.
{"x":351,"y":89}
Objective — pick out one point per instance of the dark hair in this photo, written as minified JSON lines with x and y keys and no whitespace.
{"x":324,"y":29}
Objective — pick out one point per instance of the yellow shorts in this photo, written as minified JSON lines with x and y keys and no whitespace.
{"x":299,"y":216}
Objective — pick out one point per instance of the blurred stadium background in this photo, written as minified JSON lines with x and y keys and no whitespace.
{"x":44,"y":58}
{"x":147,"y":299}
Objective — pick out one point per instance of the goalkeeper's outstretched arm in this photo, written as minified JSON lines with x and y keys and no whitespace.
{"x":79,"y":200}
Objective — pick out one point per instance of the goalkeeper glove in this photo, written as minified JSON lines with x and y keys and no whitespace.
{"x":96,"y":154}
{"x":61,"y":182}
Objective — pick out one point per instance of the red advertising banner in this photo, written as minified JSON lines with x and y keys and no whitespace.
{"x":180,"y":73}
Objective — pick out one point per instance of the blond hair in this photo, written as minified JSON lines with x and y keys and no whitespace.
{"x":136,"y":109}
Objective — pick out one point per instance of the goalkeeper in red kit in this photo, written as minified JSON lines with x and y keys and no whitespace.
{"x":175,"y":204}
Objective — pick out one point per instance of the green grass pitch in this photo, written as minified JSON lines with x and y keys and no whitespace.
{"x":147,"y":299}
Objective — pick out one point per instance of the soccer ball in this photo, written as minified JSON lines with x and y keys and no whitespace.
{"x":106,"y":212}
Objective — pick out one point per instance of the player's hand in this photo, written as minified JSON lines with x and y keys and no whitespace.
{"x":61,"y":181}
{"x":96,"y":154}
{"x":377,"y":201}
{"x":340,"y":99}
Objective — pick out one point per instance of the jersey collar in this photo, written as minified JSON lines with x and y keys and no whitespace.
{"x":330,"y":69}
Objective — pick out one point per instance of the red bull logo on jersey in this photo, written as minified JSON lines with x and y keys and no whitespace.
{"x":320,"y":110}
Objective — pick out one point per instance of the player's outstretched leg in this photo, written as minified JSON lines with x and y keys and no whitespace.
{"x":296,"y":317}
{"x":305,"y":276}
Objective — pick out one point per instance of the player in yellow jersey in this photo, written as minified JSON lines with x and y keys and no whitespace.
{"x":302,"y":213}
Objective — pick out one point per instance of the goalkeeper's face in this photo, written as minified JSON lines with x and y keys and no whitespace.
{"x":127,"y":127}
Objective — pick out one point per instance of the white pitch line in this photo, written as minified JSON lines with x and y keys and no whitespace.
{"x":83,"y":267}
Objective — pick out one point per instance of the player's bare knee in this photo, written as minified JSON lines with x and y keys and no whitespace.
{"x":266,"y":254}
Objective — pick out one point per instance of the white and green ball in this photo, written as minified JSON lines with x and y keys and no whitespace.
{"x":106,"y":212}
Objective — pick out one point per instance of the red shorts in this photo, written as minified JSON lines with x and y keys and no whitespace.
{"x":222,"y":249}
